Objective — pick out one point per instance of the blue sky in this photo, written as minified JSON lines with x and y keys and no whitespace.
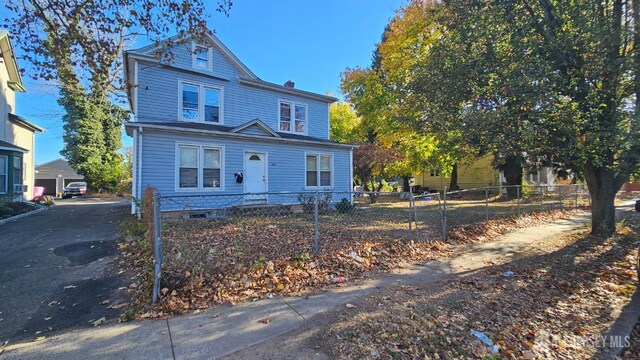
{"x":308,"y":42}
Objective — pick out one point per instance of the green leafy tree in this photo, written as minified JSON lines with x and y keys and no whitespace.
{"x":551,"y":80}
{"x":344,"y":124}
{"x":433,"y":139}
{"x":79,"y":44}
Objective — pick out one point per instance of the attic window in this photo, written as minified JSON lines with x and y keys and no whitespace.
{"x":201,"y":57}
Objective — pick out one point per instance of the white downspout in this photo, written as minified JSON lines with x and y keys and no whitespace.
{"x":134,"y":171}
{"x":351,"y":173}
{"x":139,"y":177}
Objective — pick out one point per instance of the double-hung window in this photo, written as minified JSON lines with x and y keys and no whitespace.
{"x":293,"y":117}
{"x":318,"y":170}
{"x":4,"y":170}
{"x":199,"y":167}
{"x":434,"y":172}
{"x":200,"y":103}
{"x":17,"y":170}
{"x":201,"y":57}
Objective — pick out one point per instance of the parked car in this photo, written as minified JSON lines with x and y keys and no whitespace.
{"x":74,"y":189}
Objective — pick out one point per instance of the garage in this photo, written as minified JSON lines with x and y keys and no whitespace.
{"x":55,"y":175}
{"x":49,"y":186}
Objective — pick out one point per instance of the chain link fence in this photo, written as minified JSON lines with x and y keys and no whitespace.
{"x":211,"y":232}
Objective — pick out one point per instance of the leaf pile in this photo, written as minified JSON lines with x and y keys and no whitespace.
{"x":209,"y":262}
{"x":487,"y":230}
{"x":554,"y":303}
{"x":287,"y":276}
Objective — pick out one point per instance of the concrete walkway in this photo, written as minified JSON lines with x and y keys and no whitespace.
{"x":227,"y":329}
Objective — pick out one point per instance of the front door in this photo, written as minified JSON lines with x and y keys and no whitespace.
{"x":255,"y":176}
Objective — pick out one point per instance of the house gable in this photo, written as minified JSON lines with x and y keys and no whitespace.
{"x":224,"y":63}
{"x":255,"y":127}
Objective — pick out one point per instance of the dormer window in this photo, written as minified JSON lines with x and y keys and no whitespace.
{"x":202,"y":57}
{"x":293,"y":117}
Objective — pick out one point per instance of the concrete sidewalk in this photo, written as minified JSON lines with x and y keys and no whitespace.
{"x":227,"y":329}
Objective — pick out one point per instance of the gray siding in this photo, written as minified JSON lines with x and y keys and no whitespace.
{"x":158,"y":94}
{"x":286,"y":163}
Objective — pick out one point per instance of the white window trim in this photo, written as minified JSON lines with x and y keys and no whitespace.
{"x":293,"y":117}
{"x":6,"y":174}
{"x":318,"y":154}
{"x":201,"y":147}
{"x":194,"y":59}
{"x":201,"y":99}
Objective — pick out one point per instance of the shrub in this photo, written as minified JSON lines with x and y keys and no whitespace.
{"x":528,"y":190}
{"x":308,"y":202}
{"x":6,"y":212}
{"x":46,"y":200}
{"x":345,"y":206}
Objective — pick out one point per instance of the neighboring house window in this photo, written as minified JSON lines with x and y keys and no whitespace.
{"x":202,"y":57}
{"x":199,"y":167}
{"x":200,"y":103}
{"x":318,"y":170}
{"x":17,"y":170}
{"x":435,"y":172}
{"x":293,"y":112}
{"x":4,"y":162}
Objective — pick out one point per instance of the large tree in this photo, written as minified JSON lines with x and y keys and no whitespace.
{"x":545,"y":81}
{"x":551,"y":80}
{"x":79,"y":45}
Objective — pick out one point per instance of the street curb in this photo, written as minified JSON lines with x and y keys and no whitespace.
{"x":17,"y":217}
{"x":623,"y":327}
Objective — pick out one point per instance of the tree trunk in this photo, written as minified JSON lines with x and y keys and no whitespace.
{"x":453,"y":184}
{"x":406,"y":187}
{"x":512,"y":169}
{"x":603,"y":187}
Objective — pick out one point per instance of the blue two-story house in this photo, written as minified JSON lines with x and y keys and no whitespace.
{"x":205,"y":124}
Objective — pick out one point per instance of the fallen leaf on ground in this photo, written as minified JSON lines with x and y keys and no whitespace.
{"x":100,"y":321}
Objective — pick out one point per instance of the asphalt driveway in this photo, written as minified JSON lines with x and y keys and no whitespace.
{"x":56,"y":269}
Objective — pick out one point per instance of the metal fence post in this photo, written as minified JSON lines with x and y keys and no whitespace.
{"x":316,"y":220}
{"x":560,"y":194}
{"x":413,"y":215}
{"x":486,"y":204}
{"x":157,"y":245}
{"x":541,"y":188}
{"x":518,"y":187}
{"x":444,"y":214}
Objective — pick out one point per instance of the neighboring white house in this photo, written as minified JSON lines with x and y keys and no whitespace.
{"x":17,"y":135}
